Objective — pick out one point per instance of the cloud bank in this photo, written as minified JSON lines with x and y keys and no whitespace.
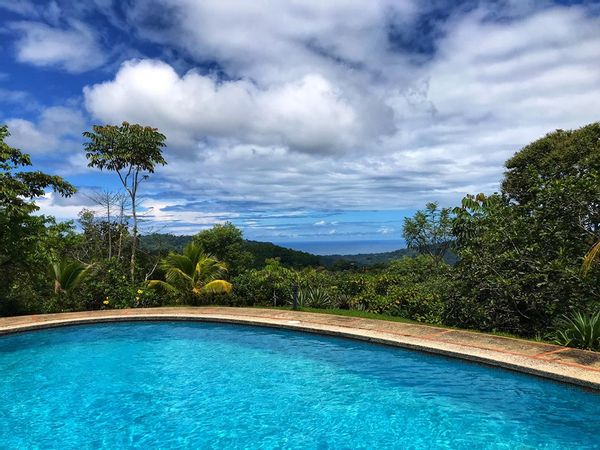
{"x":310,"y":108}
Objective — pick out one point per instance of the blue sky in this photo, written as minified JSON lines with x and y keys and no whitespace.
{"x":297,"y":120}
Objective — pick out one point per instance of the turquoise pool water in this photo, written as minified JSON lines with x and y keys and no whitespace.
{"x":194,"y":385}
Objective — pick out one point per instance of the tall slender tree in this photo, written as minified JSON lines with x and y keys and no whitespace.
{"x":132,"y":151}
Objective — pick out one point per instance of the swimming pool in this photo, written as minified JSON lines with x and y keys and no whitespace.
{"x":199,"y":385}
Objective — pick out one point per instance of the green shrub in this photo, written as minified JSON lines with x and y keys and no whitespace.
{"x":314,"y":297}
{"x":579,"y":330}
{"x":270,"y":286}
{"x":107,"y":285}
{"x":422,"y":303}
{"x":148,"y":298}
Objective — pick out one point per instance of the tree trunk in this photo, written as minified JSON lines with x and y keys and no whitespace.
{"x":121,"y":226}
{"x":109,"y":227}
{"x":134,"y":237}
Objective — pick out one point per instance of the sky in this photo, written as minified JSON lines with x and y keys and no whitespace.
{"x":304,"y":120}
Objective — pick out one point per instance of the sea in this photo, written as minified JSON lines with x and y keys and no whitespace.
{"x":345,"y":247}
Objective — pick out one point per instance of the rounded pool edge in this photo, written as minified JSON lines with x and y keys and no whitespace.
{"x":548,"y":369}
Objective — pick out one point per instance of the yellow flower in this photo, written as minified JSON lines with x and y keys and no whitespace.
{"x":106,"y":302}
{"x":137,"y":299}
{"x":140,"y":291}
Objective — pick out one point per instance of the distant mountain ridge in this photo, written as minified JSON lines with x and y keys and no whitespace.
{"x":366,"y":259}
{"x":162,"y":243}
{"x":261,"y":251}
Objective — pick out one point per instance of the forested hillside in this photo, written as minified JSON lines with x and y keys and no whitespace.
{"x":523,"y":260}
{"x":162,"y":243}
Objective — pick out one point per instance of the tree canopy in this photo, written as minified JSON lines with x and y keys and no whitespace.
{"x":25,"y":239}
{"x":226,"y":243}
{"x":429,"y":231}
{"x":556,"y":156}
{"x":125,"y":149}
{"x":520,"y":251}
{"x":19,"y":187}
{"x":130,"y":150}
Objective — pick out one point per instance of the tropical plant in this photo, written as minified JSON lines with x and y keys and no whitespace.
{"x":591,"y":257}
{"x":271,"y":285}
{"x":226,"y":243}
{"x":429,"y":231}
{"x":132,"y":151}
{"x":314,"y":297}
{"x":107,"y":286}
{"x":520,"y":250}
{"x":192,"y":274}
{"x":25,"y":238}
{"x":580,"y":330}
{"x":68,"y":275}
{"x":558,"y":155}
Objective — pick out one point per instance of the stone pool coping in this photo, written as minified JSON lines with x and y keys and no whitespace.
{"x":564,"y":364}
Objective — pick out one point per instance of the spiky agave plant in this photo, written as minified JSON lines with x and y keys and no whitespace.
{"x":192,"y":273}
{"x":580,"y":330}
{"x":68,"y":274}
{"x":314,"y":297}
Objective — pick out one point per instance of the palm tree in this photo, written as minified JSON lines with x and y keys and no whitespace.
{"x":68,"y":275}
{"x":193,"y":273}
{"x":592,"y":256}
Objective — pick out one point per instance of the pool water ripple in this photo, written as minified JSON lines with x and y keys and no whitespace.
{"x":198,"y":385}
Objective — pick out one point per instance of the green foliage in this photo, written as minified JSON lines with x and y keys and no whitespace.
{"x":579,"y":330}
{"x":590,"y":258}
{"x":411,"y":287}
{"x":26,"y":241}
{"x":126,"y":149}
{"x":262,"y":251}
{"x":226,"y":243}
{"x":429,"y":231}
{"x":521,"y":251}
{"x":18,"y":187}
{"x":163,"y":243}
{"x":148,"y":298}
{"x":95,"y":240}
{"x":132,"y":151}
{"x":67,"y":275}
{"x":224,"y":239}
{"x":362,"y":260}
{"x":192,"y":274}
{"x":107,"y":285}
{"x":558,"y":155}
{"x":314,"y":297}
{"x":271,"y":285}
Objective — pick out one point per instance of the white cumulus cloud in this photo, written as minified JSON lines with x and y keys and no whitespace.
{"x":75,"y":48}
{"x":57,"y":130}
{"x":309,"y":114}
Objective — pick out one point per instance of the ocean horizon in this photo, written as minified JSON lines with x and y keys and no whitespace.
{"x":345,"y":247}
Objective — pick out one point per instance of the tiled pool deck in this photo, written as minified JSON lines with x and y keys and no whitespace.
{"x":559,"y":363}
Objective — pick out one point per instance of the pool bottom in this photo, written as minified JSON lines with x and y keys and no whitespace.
{"x":183,"y":384}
